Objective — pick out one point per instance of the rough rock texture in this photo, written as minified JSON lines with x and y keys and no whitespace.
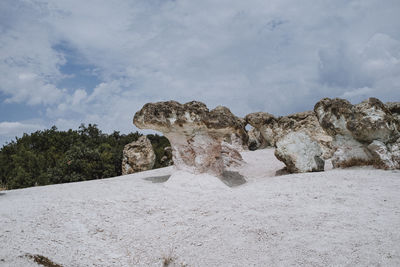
{"x":196,"y":134}
{"x":394,"y":108}
{"x":264,"y":123}
{"x":138,"y":156}
{"x":273,"y":129}
{"x":363,"y":134}
{"x":256,"y":139}
{"x":166,"y":160}
{"x":299,"y":152}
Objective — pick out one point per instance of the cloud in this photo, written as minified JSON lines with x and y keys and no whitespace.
{"x":275,"y":56}
{"x":15,"y":128}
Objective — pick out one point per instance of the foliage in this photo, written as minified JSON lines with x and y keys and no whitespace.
{"x":52,"y":156}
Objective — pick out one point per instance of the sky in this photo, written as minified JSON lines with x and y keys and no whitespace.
{"x":68,"y":62}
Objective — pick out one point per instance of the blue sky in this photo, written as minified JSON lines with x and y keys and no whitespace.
{"x":69,"y":62}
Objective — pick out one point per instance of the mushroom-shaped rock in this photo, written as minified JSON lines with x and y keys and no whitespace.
{"x":299,"y":152}
{"x":195,"y":133}
{"x":138,"y":156}
{"x":363,"y":134}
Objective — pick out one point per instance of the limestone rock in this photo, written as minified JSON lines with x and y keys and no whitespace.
{"x":256,"y":140}
{"x":264,"y":123}
{"x":394,"y":108}
{"x":299,"y":152}
{"x":363,"y":134}
{"x":273,"y":129}
{"x":195,"y":133}
{"x":138,"y":156}
{"x":350,"y":152}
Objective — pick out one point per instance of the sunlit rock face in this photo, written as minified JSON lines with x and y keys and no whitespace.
{"x":299,"y":152}
{"x":138,"y":156}
{"x":363,"y":134}
{"x":201,"y":140}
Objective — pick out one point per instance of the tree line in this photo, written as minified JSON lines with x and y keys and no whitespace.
{"x":52,"y":156}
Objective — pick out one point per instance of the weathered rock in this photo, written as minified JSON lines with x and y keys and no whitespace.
{"x":394,"y":108}
{"x":299,"y":152}
{"x":195,"y":133}
{"x":350,"y":152}
{"x":264,"y":123}
{"x":256,"y":140}
{"x":230,"y":155}
{"x":363,"y":134}
{"x":273,"y":129}
{"x":138,"y":156}
{"x":166,"y":160}
{"x":371,"y":121}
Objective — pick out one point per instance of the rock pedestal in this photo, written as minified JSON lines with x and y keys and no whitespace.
{"x":196,"y":134}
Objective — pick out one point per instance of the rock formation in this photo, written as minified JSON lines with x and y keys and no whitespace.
{"x":272,"y":129}
{"x":363,"y":134}
{"x":264,"y":123}
{"x":256,"y":139}
{"x":299,"y":152}
{"x":394,"y":108}
{"x":138,"y":156}
{"x":197,"y":135}
{"x":279,"y":131}
{"x":166,"y":160}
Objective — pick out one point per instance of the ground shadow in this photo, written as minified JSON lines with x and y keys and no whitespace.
{"x":157,"y":179}
{"x":283,"y":171}
{"x":1,"y":193}
{"x":232,"y":179}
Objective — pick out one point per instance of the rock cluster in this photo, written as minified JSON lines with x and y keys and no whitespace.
{"x":138,"y":156}
{"x":201,"y":140}
{"x":363,"y":134}
{"x":204,"y":140}
{"x":292,"y":136}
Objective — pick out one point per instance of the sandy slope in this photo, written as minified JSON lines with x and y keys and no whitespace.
{"x":339,"y":217}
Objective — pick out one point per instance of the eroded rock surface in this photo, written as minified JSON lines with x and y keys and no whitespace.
{"x":363,"y":134}
{"x":256,"y":139}
{"x":166,"y":160}
{"x":304,"y":124}
{"x":273,"y":129}
{"x":299,"y":152}
{"x":138,"y":156}
{"x":196,"y":134}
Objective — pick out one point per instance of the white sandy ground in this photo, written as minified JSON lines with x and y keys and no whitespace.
{"x":339,"y":217}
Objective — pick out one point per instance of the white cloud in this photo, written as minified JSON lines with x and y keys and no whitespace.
{"x":12,"y":129}
{"x":276,"y":56}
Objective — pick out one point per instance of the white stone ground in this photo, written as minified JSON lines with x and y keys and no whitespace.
{"x":335,"y":218}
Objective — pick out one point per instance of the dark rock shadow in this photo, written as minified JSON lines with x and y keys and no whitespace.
{"x":283,"y":171}
{"x":1,"y":193}
{"x":157,"y":179}
{"x":232,"y":179}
